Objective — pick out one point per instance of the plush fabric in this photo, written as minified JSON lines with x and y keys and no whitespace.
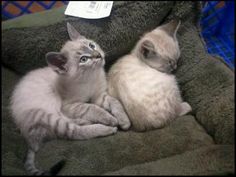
{"x":201,"y":143}
{"x":111,"y":33}
{"x":210,"y":160}
{"x":208,"y":85}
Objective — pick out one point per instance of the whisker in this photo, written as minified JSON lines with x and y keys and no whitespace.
{"x":108,"y":52}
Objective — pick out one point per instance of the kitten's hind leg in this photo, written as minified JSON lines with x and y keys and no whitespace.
{"x":29,"y":163}
{"x":35,"y":133}
{"x":184,"y":108}
{"x":35,"y":137}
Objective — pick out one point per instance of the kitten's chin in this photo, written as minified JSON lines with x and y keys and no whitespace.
{"x":103,"y":63}
{"x":100,"y":62}
{"x":160,"y":68}
{"x":167,"y":71}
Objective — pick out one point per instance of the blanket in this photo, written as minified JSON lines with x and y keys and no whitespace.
{"x":200,"y":143}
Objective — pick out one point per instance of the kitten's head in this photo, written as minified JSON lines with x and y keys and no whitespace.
{"x":76,"y":56}
{"x":159,"y":48}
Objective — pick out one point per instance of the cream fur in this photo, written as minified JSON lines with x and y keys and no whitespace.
{"x":150,"y":95}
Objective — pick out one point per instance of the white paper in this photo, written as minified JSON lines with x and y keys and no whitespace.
{"x":89,"y":9}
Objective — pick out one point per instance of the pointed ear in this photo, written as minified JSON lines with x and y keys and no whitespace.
{"x":147,"y":49}
{"x":57,"y":62}
{"x":172,"y":27}
{"x":73,"y":33}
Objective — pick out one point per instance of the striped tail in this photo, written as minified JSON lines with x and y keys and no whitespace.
{"x":56,"y":125}
{"x":32,"y":170}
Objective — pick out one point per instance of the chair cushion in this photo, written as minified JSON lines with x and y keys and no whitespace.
{"x":100,"y":155}
{"x":205,"y":81}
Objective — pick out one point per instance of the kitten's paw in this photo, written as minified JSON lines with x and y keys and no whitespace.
{"x":108,"y":120}
{"x":101,"y":116}
{"x":114,"y":122}
{"x":185,"y":108}
{"x":123,"y":120}
{"x":114,"y":130}
{"x":94,"y":131}
{"x":118,"y":112}
{"x":125,"y":125}
{"x":107,"y":130}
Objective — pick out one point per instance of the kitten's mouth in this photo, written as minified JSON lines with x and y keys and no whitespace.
{"x":98,"y":59}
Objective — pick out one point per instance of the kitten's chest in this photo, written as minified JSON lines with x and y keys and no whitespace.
{"x":89,"y":90}
{"x":146,"y":79}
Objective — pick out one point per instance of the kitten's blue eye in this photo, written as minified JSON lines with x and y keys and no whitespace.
{"x":91,"y":45}
{"x":83,"y":59}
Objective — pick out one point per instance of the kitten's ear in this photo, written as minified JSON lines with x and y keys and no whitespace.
{"x":147,"y":48}
{"x":73,"y":33}
{"x":57,"y":62}
{"x":172,"y":27}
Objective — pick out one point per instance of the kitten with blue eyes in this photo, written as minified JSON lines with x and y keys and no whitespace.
{"x":143,"y":81}
{"x":68,"y":99}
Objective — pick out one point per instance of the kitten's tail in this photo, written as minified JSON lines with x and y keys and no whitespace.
{"x":32,"y":170}
{"x":43,"y":123}
{"x":61,"y":127}
{"x":36,"y":133}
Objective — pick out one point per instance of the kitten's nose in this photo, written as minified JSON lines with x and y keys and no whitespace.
{"x":96,"y":54}
{"x":172,"y":64}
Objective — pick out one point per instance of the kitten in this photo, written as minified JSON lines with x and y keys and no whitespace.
{"x":143,"y":82}
{"x":55,"y":101}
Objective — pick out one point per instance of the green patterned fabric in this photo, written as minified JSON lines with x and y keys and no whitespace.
{"x":200,"y":143}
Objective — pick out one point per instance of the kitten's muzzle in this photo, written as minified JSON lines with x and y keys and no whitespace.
{"x":96,"y":55}
{"x":172,"y":64}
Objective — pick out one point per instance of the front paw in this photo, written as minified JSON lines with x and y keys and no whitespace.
{"x":123,"y":120}
{"x":113,"y":122}
{"x":185,"y":108}
{"x":106,"y":118}
{"x":120,"y":119}
{"x":125,"y":125}
{"x":117,"y":111}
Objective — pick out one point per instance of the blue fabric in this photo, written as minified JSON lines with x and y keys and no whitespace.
{"x":25,"y":9}
{"x":217,"y":24}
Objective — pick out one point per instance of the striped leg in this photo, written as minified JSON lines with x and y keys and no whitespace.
{"x":34,"y":136}
{"x":64,"y":128}
{"x":29,"y":163}
{"x":85,"y":114}
{"x":114,"y":106}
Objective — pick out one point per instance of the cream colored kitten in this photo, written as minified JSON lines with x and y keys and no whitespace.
{"x":143,"y":82}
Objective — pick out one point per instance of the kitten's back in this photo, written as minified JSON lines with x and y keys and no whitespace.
{"x":35,"y":91}
{"x":144,"y":92}
{"x":143,"y":82}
